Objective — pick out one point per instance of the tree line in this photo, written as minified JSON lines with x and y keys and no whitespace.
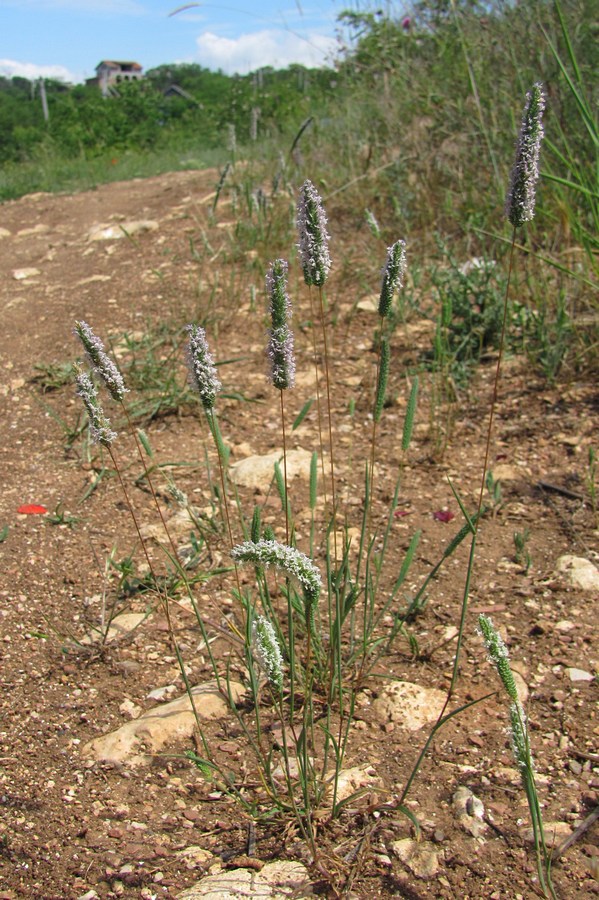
{"x":186,"y":101}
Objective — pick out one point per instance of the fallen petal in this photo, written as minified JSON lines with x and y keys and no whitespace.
{"x":443,"y":515}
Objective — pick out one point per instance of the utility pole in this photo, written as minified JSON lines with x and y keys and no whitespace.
{"x":44,"y":99}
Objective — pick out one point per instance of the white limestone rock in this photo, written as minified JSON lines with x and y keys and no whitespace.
{"x":275,"y":881}
{"x":120,"y":627}
{"x":469,"y":811}
{"x":135,"y":742}
{"x":257,"y":472}
{"x":421,"y":857}
{"x":25,"y":274}
{"x":409,"y":705}
{"x":120,"y":230}
{"x":579,"y":572}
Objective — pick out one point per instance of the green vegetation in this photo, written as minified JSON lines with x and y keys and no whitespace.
{"x":414,"y":123}
{"x":411,"y":135}
{"x":145,"y":128}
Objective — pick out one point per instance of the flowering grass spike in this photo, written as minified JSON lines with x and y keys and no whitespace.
{"x":518,"y":739}
{"x":268,"y":652}
{"x":313,"y":236}
{"x":294,"y":563}
{"x":498,"y":655}
{"x":101,"y":363}
{"x":99,"y":425}
{"x":280,"y":344}
{"x":520,"y":202}
{"x":201,"y":367}
{"x":393,"y":275}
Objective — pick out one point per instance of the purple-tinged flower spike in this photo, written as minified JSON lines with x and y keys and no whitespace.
{"x":99,"y":425}
{"x":101,"y":363}
{"x":280,"y":344}
{"x":201,"y":367}
{"x":520,"y":201}
{"x":393,"y":276}
{"x":313,"y":236}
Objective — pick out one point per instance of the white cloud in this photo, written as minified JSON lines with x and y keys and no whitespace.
{"x":108,"y":7}
{"x":271,"y":47}
{"x":10,"y":67}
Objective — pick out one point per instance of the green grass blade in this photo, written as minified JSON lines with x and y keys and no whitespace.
{"x":408,"y":426}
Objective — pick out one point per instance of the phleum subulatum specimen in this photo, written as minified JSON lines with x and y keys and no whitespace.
{"x":204,"y":378}
{"x":520,"y":743}
{"x":315,"y":260}
{"x":280,"y":353}
{"x":109,"y":374}
{"x":100,"y":362}
{"x":521,"y":196}
{"x":313,"y":236}
{"x":314,"y":671}
{"x":99,"y":426}
{"x":201,"y":367}
{"x":519,"y":209}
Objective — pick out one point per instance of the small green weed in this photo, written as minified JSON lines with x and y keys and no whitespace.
{"x":549,"y":338}
{"x":60,"y":517}
{"x":522,"y":555}
{"x":494,"y":491}
{"x":469,"y":299}
{"x":52,"y":376}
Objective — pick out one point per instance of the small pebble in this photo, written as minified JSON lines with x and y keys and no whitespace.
{"x":579,"y":675}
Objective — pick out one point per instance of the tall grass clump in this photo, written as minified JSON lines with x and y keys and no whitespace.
{"x":313,"y":616}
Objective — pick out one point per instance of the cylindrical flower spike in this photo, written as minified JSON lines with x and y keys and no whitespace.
{"x":313,"y":236}
{"x":498,"y":655}
{"x":201,"y":367}
{"x":267,"y":652}
{"x":393,"y":275}
{"x":373,"y":224}
{"x":518,"y":738}
{"x":520,"y":201}
{"x":294,"y":563}
{"x":99,"y":360}
{"x":280,"y":344}
{"x":381,"y":387}
{"x":99,"y":425}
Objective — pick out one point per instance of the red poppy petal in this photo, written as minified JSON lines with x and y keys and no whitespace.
{"x":400,"y":513}
{"x":32,"y":509}
{"x":443,"y":515}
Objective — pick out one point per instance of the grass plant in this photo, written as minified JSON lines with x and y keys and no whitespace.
{"x":520,"y":741}
{"x":312,"y":625}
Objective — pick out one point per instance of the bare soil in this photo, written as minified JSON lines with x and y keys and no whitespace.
{"x":70,"y":825}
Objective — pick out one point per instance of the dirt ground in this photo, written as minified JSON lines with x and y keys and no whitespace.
{"x":70,"y":826}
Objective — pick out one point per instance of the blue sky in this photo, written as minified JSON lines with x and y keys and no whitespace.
{"x":67,"y":38}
